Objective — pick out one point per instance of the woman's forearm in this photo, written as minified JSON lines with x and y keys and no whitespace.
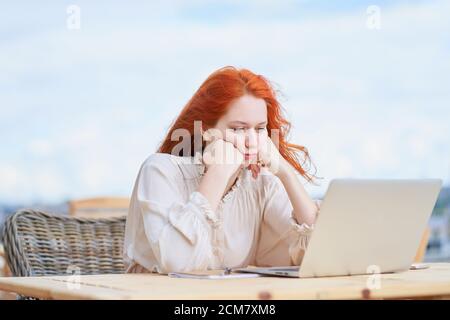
{"x":304,"y":207}
{"x":213,"y":185}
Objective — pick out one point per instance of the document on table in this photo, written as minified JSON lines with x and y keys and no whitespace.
{"x":212,"y":274}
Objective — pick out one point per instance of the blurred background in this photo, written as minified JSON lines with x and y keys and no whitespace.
{"x":89,"y":88}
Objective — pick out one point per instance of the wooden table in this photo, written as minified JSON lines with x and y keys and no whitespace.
{"x":433,"y":282}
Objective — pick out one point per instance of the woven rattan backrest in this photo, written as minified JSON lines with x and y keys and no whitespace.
{"x":39,"y":244}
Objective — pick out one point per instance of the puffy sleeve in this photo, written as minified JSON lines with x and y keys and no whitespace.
{"x":179,"y":231}
{"x":282,"y":241}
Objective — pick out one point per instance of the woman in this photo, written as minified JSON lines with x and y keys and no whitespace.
{"x":230,"y":196}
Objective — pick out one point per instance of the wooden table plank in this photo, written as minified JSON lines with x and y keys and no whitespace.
{"x":431,"y":282}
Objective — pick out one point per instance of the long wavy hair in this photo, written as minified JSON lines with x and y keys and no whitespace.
{"x":210,"y":102}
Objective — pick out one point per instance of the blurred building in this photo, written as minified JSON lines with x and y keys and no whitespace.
{"x":439,"y":244}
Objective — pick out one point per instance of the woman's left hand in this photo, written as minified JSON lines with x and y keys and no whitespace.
{"x":268,"y":157}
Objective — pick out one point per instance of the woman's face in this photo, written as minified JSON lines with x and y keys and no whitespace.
{"x":246,"y":119}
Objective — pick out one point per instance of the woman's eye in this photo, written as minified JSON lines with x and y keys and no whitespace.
{"x":238,"y":129}
{"x":261,"y":129}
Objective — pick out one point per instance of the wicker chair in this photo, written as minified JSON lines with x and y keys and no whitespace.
{"x":41,"y":244}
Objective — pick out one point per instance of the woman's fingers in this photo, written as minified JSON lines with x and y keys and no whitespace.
{"x":237,"y":140}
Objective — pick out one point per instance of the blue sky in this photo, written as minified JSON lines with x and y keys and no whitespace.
{"x":80,"y":110}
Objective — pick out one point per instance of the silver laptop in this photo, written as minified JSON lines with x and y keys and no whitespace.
{"x":365,"y":227}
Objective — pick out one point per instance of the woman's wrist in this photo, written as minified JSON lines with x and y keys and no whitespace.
{"x":284,"y":169}
{"x":212,"y":184}
{"x":222,"y":171}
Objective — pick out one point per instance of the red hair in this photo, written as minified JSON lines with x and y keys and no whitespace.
{"x":210,"y":102}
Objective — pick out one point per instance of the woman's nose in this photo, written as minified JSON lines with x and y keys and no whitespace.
{"x":251,"y":139}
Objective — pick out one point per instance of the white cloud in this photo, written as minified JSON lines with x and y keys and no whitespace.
{"x":10,"y":178}
{"x":418,"y":146}
{"x":41,"y":147}
{"x":47,"y":184}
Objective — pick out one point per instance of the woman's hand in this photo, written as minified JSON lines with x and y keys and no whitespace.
{"x":304,"y":209}
{"x":268,"y":157}
{"x":222,"y":162}
{"x":222,"y":155}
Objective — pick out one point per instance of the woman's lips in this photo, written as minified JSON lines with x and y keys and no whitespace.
{"x":249,"y":156}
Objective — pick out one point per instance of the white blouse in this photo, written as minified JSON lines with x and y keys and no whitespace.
{"x":171,"y":226}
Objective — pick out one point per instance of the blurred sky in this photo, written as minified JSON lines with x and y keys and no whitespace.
{"x":80,"y":110}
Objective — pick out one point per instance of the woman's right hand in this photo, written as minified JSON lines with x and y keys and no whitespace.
{"x":222,"y":158}
{"x":222,"y":155}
